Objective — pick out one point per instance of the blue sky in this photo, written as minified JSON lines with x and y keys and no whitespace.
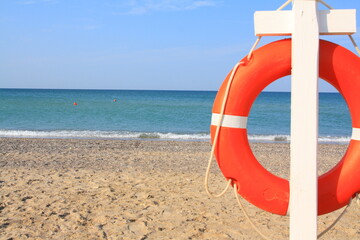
{"x":131,"y":44}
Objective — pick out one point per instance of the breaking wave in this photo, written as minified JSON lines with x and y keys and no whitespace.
{"x":91,"y":134}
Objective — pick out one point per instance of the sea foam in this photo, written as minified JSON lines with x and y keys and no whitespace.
{"x":76,"y":134}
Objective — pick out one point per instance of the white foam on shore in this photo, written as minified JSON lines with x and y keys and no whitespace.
{"x":87,"y":134}
{"x":287,"y":138}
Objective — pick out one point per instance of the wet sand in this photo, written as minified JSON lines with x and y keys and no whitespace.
{"x":113,"y":189}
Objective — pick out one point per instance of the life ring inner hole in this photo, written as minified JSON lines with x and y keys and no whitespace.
{"x":269,"y":129}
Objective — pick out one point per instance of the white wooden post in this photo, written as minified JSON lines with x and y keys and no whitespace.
{"x":304,"y":23}
{"x":304,"y":121}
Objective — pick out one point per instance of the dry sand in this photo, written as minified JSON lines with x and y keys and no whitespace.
{"x":107,"y":189}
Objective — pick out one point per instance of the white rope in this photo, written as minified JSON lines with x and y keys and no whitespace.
{"x":284,"y":5}
{"x":206,"y":183}
{"x":264,"y":237}
{"x":336,"y":221}
{"x":253,"y":47}
{"x":222,"y":111}
{"x":325,"y":4}
{"x":246,"y":214}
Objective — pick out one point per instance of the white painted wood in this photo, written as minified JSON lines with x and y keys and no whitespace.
{"x":273,"y":23}
{"x":337,"y":22}
{"x":304,"y":121}
{"x":331,"y":22}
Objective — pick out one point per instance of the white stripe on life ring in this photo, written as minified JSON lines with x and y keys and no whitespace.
{"x":230,"y":121}
{"x":355,"y":134}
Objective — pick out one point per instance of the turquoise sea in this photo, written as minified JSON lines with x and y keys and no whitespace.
{"x":160,"y":115}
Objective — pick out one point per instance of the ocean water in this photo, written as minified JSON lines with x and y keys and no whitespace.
{"x":161,"y":115}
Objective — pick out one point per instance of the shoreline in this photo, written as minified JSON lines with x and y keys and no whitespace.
{"x":136,"y":189}
{"x":156,"y":136}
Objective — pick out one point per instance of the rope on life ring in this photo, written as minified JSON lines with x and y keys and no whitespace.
{"x":339,"y":67}
{"x":220,"y":119}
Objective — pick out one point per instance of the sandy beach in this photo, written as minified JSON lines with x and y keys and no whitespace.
{"x":128,"y":189}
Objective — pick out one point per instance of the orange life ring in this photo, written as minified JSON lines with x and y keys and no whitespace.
{"x":338,"y":66}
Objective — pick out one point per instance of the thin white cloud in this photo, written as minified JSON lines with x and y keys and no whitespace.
{"x":198,"y":4}
{"x":144,"y":6}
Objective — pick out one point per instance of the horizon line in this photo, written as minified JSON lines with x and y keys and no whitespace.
{"x":119,"y":89}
